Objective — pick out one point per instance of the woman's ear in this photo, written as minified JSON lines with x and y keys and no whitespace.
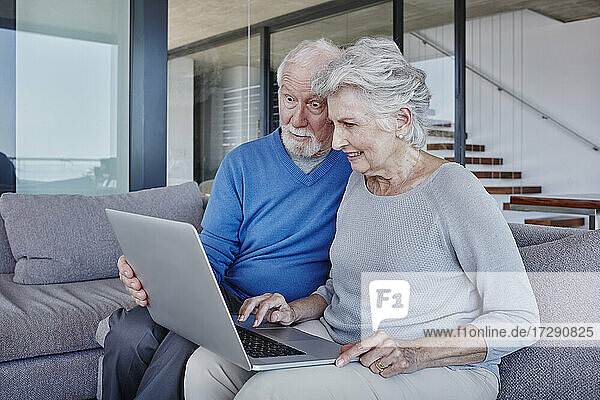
{"x":403,"y":122}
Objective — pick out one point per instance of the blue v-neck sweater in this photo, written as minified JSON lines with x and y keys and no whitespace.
{"x":268,"y":226}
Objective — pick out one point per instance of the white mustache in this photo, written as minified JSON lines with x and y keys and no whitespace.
{"x":299,"y":131}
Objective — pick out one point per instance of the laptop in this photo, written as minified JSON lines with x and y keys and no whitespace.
{"x":183,"y":296}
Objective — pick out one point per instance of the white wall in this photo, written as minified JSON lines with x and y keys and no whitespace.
{"x":180,"y":120}
{"x":554,"y":66}
{"x":7,"y":93}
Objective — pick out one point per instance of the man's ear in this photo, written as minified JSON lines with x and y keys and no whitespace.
{"x":403,"y":122}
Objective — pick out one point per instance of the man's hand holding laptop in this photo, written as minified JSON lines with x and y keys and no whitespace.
{"x":132,"y":283}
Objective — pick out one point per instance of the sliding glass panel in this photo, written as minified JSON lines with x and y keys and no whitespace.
{"x":341,"y":29}
{"x":72,"y":96}
{"x":7,"y":96}
{"x":214,"y":105}
{"x":429,"y":45}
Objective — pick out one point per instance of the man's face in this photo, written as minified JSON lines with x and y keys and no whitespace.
{"x":305,"y":128}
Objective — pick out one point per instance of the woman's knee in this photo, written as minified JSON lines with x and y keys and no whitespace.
{"x":208,"y":376}
{"x":273,"y":385}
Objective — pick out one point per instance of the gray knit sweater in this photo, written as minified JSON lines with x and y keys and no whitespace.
{"x":448,"y":239}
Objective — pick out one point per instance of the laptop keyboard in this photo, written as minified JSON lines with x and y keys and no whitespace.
{"x":258,"y":346}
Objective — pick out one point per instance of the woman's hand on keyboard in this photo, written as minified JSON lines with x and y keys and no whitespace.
{"x":280,"y":311}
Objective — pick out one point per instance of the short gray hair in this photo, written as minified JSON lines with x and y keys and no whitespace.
{"x":380,"y":74}
{"x":309,"y":52}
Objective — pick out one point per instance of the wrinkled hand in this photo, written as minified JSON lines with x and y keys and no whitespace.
{"x":395,"y":356}
{"x":281,"y":311}
{"x":132,"y":283}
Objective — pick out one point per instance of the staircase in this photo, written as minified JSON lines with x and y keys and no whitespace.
{"x":436,"y":146}
{"x":498,"y":181}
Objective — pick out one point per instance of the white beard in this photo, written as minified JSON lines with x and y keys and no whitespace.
{"x":293,"y":146}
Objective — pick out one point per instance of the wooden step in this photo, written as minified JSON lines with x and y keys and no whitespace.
{"x":513,"y":189}
{"x":480,"y":160}
{"x":497,"y":174}
{"x":562,"y":221}
{"x":440,"y":133}
{"x":450,"y":146}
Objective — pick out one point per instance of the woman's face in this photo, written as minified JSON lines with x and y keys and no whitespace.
{"x":369,"y":148}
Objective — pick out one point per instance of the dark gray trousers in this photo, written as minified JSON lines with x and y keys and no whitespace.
{"x":143,"y":360}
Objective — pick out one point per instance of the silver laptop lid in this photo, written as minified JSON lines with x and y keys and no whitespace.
{"x":170,"y":261}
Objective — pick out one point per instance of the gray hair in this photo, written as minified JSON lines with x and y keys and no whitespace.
{"x":376,"y":69}
{"x":309,"y":52}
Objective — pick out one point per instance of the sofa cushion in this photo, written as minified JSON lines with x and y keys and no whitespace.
{"x":578,"y":252}
{"x":527,"y":235}
{"x":62,"y":376}
{"x":564,"y":276}
{"x":67,"y":238}
{"x":550,"y":373}
{"x":38,"y":320}
{"x":7,"y":261}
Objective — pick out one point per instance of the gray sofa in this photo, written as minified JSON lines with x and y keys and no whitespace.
{"x":563,"y":266}
{"x":58,"y":280}
{"x":48,"y":348}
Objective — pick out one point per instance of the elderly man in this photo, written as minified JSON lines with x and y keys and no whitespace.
{"x":267,"y":228}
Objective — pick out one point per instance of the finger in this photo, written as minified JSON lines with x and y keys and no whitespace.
{"x":379,"y":366}
{"x":124,"y":267}
{"x":284,"y":317}
{"x":246,"y":309}
{"x":397,"y":363}
{"x":131,"y":292}
{"x":271,"y":303}
{"x":346,"y":347}
{"x":142,"y":295}
{"x":137,"y":294}
{"x":360,"y":348}
{"x":120,"y":263}
{"x":127,"y":281}
{"x":133,"y":283}
{"x":369,"y":358}
{"x":249,"y":305}
{"x":265,"y":307}
{"x":382,"y":349}
{"x":350,"y":354}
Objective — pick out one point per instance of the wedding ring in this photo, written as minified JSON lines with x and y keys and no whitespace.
{"x":379,"y":366}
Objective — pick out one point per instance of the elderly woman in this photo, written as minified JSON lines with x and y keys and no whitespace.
{"x":426,"y":225}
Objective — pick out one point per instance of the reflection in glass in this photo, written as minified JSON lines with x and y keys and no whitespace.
{"x":72,"y":85}
{"x":224,"y":102}
{"x":7,"y":174}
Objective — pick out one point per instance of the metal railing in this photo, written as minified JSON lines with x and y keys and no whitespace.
{"x":482,"y":75}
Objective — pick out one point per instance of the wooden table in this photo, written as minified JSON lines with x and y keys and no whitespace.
{"x":584,"y":204}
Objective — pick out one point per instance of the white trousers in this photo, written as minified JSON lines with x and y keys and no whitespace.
{"x":209,"y":376}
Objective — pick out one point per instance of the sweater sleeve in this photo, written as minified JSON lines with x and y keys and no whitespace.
{"x":326,"y":291}
{"x":487,"y":252}
{"x":222,"y":220}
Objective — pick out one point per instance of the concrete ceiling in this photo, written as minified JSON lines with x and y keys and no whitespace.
{"x":192,"y":20}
